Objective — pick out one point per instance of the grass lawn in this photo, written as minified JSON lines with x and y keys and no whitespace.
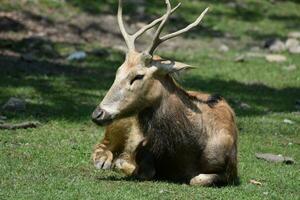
{"x":53,"y":161}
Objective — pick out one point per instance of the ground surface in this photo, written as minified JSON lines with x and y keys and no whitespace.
{"x":53,"y":161}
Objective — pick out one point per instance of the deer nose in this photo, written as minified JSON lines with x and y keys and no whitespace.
{"x":100,"y":116}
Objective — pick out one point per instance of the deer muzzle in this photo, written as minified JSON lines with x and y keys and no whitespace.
{"x":101,"y":117}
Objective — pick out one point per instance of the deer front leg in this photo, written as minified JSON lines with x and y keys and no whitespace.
{"x":102,"y":157}
{"x":126,"y":162}
{"x":111,"y":146}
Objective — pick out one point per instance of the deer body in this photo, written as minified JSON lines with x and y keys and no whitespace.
{"x":186,"y":137}
{"x":182,"y":136}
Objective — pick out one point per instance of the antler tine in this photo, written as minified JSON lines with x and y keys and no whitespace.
{"x":153,"y":23}
{"x":130,"y":39}
{"x":156,"y":40}
{"x":127,"y":37}
{"x":186,"y":29}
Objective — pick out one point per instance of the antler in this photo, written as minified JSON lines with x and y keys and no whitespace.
{"x":130,"y":39}
{"x":157,"y":40}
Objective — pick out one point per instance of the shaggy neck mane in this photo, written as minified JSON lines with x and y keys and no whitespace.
{"x":166,"y":125}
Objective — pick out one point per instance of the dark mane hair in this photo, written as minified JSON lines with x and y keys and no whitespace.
{"x":166,"y":126}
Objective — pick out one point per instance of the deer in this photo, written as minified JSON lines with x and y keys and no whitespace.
{"x":168,"y":133}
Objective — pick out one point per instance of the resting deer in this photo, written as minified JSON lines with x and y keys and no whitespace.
{"x":180,"y":135}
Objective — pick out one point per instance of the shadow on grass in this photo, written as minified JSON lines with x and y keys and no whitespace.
{"x":261,"y":98}
{"x":290,"y":21}
{"x":237,"y":182}
{"x":62,"y":91}
{"x":53,"y":89}
{"x":57,"y":89}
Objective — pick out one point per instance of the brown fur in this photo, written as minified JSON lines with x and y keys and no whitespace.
{"x":182,"y":136}
{"x":173,"y":154}
{"x":185,"y":137}
{"x":120,"y":141}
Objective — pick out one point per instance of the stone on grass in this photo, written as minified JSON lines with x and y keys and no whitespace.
{"x":240,"y":58}
{"x":291,"y":42}
{"x":295,"y":50}
{"x":294,"y":34}
{"x":275,"y":158}
{"x":3,"y":117}
{"x":274,"y":45}
{"x":277,"y":46}
{"x":14,"y":104}
{"x":78,"y":55}
{"x":244,"y":106}
{"x":223,"y":48}
{"x":287,"y":121}
{"x":275,"y":58}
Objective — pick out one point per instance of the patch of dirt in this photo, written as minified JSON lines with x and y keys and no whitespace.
{"x":83,"y":28}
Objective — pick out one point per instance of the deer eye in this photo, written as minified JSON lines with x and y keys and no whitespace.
{"x":136,"y":78}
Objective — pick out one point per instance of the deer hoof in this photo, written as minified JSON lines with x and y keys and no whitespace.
{"x":124,"y":166}
{"x":103,"y":159}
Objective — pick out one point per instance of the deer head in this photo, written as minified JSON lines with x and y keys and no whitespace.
{"x":138,"y":80}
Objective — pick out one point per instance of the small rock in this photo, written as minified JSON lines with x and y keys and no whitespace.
{"x":295,"y":50}
{"x":275,"y":58}
{"x":14,"y":104}
{"x":277,"y":46}
{"x":294,"y":34}
{"x":289,"y":67}
{"x":291,"y":42}
{"x":3,"y":117}
{"x":244,"y":106}
{"x":241,"y":105}
{"x":265,"y":193}
{"x":223,"y":48}
{"x":78,"y":55}
{"x":287,"y":121}
{"x":240,"y":58}
{"x":275,"y":158}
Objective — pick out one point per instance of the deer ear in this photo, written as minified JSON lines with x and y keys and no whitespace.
{"x":168,"y":66}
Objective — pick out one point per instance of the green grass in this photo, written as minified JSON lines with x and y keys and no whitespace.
{"x":54,"y":160}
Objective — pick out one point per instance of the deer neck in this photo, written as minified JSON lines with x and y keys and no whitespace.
{"x":167,"y":124}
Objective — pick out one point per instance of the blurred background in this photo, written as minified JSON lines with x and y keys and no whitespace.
{"x":58,"y":58}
